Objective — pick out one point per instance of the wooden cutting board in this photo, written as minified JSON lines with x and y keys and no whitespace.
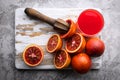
{"x":29,"y":31}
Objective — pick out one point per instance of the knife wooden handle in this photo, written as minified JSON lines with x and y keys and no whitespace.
{"x":34,"y":13}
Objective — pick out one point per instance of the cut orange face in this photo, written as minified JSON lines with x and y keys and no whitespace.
{"x":62,"y":59}
{"x":71,"y":31}
{"x":33,"y":55}
{"x":75,"y":43}
{"x":54,"y":43}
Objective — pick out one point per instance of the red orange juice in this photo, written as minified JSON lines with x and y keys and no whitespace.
{"x":90,"y":22}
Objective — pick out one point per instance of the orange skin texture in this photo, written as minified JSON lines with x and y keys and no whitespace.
{"x":95,"y":47}
{"x":81,"y":63}
{"x":71,"y":31}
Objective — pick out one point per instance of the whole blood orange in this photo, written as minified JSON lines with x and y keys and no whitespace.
{"x":54,"y":43}
{"x":33,"y":55}
{"x":81,"y":63}
{"x":76,"y":43}
{"x":62,"y":59}
{"x":95,"y":47}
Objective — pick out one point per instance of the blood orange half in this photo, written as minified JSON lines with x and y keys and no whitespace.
{"x":71,"y":31}
{"x":62,"y":59}
{"x":54,"y":43}
{"x":33,"y":55}
{"x":76,"y":43}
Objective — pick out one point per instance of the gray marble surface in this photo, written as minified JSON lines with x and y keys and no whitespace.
{"x":111,"y":59}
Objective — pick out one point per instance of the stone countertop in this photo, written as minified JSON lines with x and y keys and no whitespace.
{"x":111,"y":59}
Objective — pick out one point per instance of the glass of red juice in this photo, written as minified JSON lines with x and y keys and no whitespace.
{"x":90,"y":22}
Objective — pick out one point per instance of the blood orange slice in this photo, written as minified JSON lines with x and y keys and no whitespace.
{"x":76,"y":43}
{"x":62,"y":59}
{"x":54,"y":43}
{"x":33,"y":55}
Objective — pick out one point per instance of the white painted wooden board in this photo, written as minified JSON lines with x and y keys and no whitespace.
{"x":29,"y":31}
